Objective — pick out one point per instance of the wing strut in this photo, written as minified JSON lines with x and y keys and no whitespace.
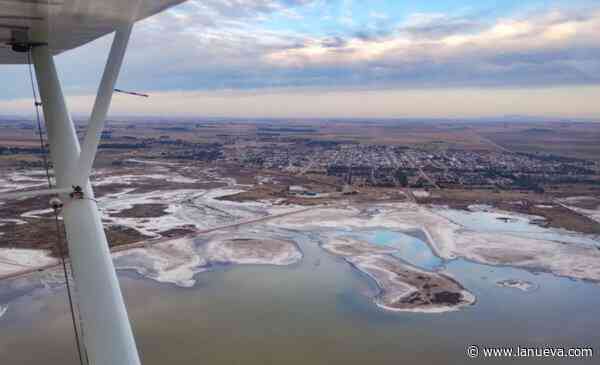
{"x":108,"y":335}
{"x":102,"y":104}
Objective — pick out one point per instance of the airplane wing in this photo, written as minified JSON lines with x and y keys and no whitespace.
{"x":66,"y":24}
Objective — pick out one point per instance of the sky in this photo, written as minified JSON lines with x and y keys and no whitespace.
{"x":346,"y":58}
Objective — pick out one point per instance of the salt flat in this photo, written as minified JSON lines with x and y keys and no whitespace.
{"x":272,"y":242}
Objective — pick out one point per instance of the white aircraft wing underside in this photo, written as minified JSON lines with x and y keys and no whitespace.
{"x":66,"y":24}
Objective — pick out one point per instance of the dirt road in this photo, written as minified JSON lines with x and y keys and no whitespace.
{"x":29,"y":270}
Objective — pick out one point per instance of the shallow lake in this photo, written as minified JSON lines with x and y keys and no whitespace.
{"x":511,"y":224}
{"x":318,"y":311}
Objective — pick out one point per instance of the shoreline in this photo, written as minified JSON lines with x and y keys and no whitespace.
{"x":469,"y":297}
{"x":452,"y":236}
{"x":449,"y":241}
{"x":142,"y":244}
{"x":522,"y":285}
{"x":178,"y":261}
{"x":402,"y":286}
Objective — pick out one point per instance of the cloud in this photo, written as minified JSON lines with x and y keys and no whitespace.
{"x":550,"y":48}
{"x":436,"y":25}
{"x":214,"y":45}
{"x":244,"y":8}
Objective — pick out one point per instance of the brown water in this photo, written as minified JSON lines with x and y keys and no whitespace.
{"x":315,"y":312}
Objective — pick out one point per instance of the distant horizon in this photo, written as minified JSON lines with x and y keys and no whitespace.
{"x":82,"y":119}
{"x":465,"y":103}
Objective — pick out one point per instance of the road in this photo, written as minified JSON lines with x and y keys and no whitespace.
{"x":147,"y":243}
{"x":409,"y":195}
{"x":490,"y":142}
{"x":422,"y":173}
{"x":309,"y":166}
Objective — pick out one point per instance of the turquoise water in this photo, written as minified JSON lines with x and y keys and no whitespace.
{"x":516,"y":225}
{"x":408,"y":247}
{"x":319,"y":311}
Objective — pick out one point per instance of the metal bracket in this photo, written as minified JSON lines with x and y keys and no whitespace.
{"x":77,"y":192}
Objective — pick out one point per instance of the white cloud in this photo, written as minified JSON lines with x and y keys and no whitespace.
{"x":215,"y":45}
{"x":504,"y":36}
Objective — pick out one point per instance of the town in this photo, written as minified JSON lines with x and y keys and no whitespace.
{"x":352,"y":155}
{"x":376,"y":165}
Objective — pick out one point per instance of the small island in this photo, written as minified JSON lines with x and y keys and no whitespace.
{"x":403,"y":287}
{"x":522,"y":285}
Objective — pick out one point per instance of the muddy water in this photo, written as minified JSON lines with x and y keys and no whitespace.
{"x":314,"y":312}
